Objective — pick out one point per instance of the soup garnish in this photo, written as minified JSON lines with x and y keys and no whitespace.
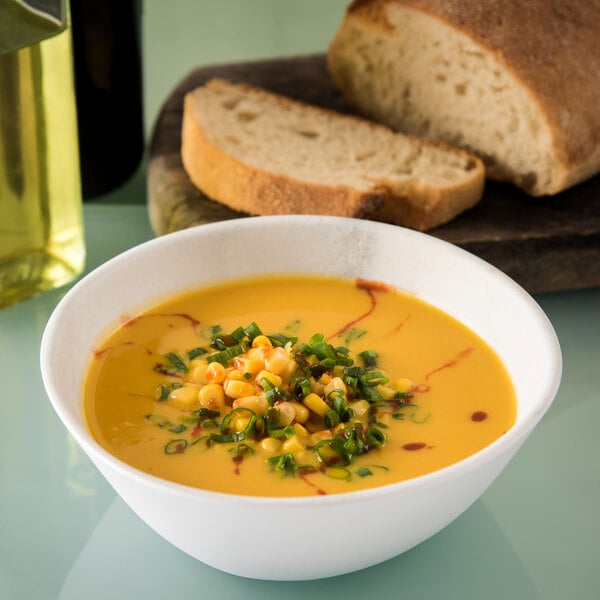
{"x":391,"y":389}
{"x":312,"y":401}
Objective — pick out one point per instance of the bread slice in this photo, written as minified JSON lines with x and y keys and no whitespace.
{"x":515,"y":82}
{"x":266,"y":154}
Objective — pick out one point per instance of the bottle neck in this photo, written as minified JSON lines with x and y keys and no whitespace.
{"x":27,"y":22}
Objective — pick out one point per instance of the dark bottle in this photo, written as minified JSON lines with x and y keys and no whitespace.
{"x":108,"y":85}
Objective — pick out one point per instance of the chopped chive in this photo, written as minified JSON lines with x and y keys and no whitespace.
{"x":364,"y":472}
{"x":369,"y":358}
{"x":204,"y":438}
{"x":178,"y":428}
{"x":225,"y":435}
{"x":304,"y":349}
{"x":373,"y":378}
{"x":375,"y":437}
{"x":224,"y":438}
{"x":284,"y":463}
{"x":316,"y":338}
{"x":419,"y":421}
{"x":240,"y":451}
{"x":282,"y":433}
{"x":331,"y":419}
{"x":177,"y":446}
{"x":327,"y":454}
{"x":206,"y":413}
{"x":161,"y":393}
{"x":338,"y":473}
{"x":238,"y":334}
{"x":302,"y":387}
{"x":252,"y":331}
{"x":353,"y":334}
{"x":195,"y":352}
{"x":176,"y":361}
{"x":278,"y":339}
{"x":225,"y":355}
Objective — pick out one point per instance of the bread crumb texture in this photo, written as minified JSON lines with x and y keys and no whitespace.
{"x":267,"y":154}
{"x":517,"y":83}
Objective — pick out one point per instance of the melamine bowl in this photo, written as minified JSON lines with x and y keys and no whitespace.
{"x":313,"y":537}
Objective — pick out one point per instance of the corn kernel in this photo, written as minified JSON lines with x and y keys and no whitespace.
{"x":215,"y":372}
{"x":386,"y":392}
{"x":258,"y":353}
{"x":238,"y":389}
{"x":360,"y":407}
{"x":301,"y":431}
{"x":301,"y":412}
{"x":277,"y":360}
{"x":257,"y":404}
{"x":270,"y":377}
{"x":240,"y":423}
{"x":316,"y":404}
{"x":288,"y":372}
{"x":293,"y":445}
{"x":184,"y":397}
{"x":324,"y":379}
{"x":316,"y":387}
{"x":198,"y":371}
{"x":236,"y":375}
{"x":286,"y":413}
{"x":261,"y":340}
{"x":336,"y":383}
{"x":403,"y":385}
{"x":339,"y":427}
{"x":317,"y":436}
{"x":270,"y":445}
{"x":338,"y":371}
{"x":249,"y":365}
{"x":307,"y":457}
{"x":212,"y":396}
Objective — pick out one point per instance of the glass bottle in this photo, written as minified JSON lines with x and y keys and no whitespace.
{"x":108,"y":88}
{"x":41,"y":230}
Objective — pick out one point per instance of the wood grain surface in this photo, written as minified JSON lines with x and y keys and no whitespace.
{"x":545,"y":244}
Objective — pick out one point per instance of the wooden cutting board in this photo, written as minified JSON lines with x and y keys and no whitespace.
{"x":546,"y":244}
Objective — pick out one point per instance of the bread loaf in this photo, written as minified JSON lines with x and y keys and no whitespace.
{"x":264,"y":154}
{"x":518,"y":83}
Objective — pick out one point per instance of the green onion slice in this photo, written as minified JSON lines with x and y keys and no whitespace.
{"x":338,"y":473}
{"x":195,"y":352}
{"x":284,"y":463}
{"x":177,"y":446}
{"x":176,"y":361}
{"x":225,"y":355}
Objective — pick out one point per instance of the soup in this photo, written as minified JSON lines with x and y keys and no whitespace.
{"x":294,"y":386}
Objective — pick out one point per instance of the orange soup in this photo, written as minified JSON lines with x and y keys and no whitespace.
{"x":294,"y":386}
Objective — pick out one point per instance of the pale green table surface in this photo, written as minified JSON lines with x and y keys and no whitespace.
{"x":65,"y":534}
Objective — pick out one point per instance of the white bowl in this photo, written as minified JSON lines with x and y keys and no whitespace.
{"x":314,"y":537}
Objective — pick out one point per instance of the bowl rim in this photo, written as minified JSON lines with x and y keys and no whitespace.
{"x":74,"y":422}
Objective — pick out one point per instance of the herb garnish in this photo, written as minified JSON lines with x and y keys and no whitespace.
{"x":309,"y":399}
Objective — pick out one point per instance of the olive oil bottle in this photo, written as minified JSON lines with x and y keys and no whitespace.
{"x":41,"y":232}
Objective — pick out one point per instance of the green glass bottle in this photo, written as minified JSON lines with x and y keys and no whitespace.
{"x":41,"y":230}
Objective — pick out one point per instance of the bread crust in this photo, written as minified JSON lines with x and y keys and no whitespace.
{"x":249,"y":189}
{"x":422,"y":207}
{"x":552,"y":47}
